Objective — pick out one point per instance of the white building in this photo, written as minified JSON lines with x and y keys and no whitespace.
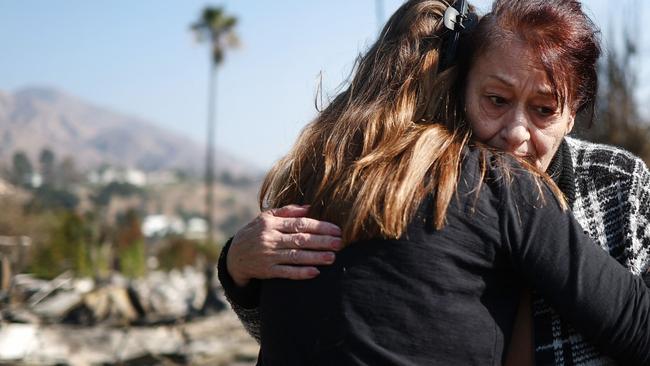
{"x":109,"y":175}
{"x":161,"y":225}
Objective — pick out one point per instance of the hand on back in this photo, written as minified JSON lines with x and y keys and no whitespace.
{"x":282,"y":243}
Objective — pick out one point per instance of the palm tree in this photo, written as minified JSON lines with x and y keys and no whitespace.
{"x":217,"y":28}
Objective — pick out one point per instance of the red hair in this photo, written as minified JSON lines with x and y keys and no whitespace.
{"x":557,"y":32}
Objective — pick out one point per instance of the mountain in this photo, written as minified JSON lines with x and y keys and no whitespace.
{"x":34,"y":118}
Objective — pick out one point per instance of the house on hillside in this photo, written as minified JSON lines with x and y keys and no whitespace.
{"x":158,"y":226}
{"x":109,"y":175}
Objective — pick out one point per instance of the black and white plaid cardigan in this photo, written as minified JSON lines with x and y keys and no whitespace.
{"x":609,"y":192}
{"x":611,"y":201}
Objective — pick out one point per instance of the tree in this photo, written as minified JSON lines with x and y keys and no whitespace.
{"x":22,"y":170}
{"x":67,"y":248}
{"x":217,"y":28}
{"x":618,"y":121}
{"x":46,"y":160}
{"x":67,"y":174}
{"x":102,"y":197}
{"x":130,"y":245}
{"x":49,"y":198}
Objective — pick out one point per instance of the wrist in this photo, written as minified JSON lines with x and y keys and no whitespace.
{"x":238,"y":278}
{"x":244,"y":297}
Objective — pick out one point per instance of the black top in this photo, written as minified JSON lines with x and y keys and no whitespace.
{"x":449,"y":297}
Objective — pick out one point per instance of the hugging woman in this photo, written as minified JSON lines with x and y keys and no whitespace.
{"x":520,"y":79}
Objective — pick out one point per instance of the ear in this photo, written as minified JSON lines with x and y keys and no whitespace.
{"x":572,"y":119}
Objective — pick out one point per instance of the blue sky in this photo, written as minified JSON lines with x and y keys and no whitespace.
{"x":138,"y":57}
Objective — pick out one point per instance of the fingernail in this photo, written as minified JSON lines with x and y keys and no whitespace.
{"x":313,"y":272}
{"x":336,"y":228}
{"x":337,"y":244}
{"x":330,"y":257}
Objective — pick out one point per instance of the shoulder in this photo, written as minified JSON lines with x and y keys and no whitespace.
{"x":503,"y":176}
{"x":595,"y":159}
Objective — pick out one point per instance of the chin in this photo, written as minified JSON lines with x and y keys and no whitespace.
{"x":536,"y":163}
{"x":542,"y":166}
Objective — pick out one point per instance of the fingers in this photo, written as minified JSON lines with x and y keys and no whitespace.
{"x":304,"y":257}
{"x":306,"y":225}
{"x":290,"y":211}
{"x":291,"y":219}
{"x":294,"y":273}
{"x":309,"y":241}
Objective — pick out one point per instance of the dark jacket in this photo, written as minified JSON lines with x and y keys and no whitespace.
{"x":449,"y":297}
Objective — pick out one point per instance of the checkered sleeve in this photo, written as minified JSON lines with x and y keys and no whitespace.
{"x":639,"y":252}
{"x":613,"y":206}
{"x":243,"y":300}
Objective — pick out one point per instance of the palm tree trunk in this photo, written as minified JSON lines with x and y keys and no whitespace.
{"x":209,"y":161}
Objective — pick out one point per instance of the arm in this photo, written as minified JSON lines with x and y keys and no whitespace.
{"x":282,"y":243}
{"x":586,"y":285}
{"x":244,"y":300}
{"x":639,"y":197}
{"x":632,"y":193}
{"x":279,"y":243}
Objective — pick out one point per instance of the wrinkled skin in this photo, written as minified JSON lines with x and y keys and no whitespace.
{"x":511,"y":107}
{"x":282,"y":243}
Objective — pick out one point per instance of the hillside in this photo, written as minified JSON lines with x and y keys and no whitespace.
{"x":34,"y":118}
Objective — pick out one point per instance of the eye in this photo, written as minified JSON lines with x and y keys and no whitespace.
{"x":545,"y":111}
{"x":497,"y":100}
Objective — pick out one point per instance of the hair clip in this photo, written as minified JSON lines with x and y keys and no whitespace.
{"x":456,"y":15}
{"x":458,"y":19}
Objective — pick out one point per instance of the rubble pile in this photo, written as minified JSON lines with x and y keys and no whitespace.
{"x":174,"y":318}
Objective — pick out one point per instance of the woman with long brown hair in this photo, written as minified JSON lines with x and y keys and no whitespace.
{"x":371,"y":159}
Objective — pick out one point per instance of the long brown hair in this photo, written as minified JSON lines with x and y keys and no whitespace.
{"x":394,"y":135}
{"x":371,"y":156}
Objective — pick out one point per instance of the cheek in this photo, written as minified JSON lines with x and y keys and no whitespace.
{"x":484,"y":127}
{"x":482,"y":131}
{"x":473,"y":116}
{"x":546,"y":143}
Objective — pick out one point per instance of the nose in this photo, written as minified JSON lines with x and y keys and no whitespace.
{"x":516,"y":131}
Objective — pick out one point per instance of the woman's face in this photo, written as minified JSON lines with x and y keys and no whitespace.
{"x":511,"y":107}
